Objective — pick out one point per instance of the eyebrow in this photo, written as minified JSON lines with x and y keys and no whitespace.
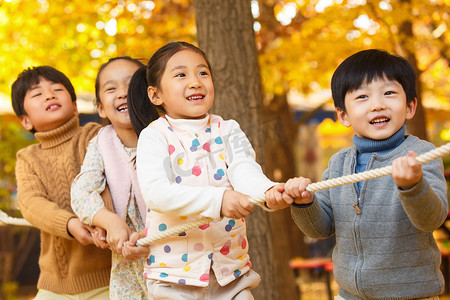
{"x":184,"y":67}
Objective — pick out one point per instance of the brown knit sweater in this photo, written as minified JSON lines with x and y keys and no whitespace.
{"x":45,"y":172}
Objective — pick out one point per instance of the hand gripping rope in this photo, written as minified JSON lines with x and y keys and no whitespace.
{"x":313,"y":187}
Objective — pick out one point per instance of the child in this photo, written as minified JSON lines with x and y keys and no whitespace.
{"x":110,"y":158}
{"x":187,"y":164}
{"x":384,"y":243}
{"x":44,"y":100}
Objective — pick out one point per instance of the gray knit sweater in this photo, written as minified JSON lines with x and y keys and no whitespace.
{"x":388,"y":251}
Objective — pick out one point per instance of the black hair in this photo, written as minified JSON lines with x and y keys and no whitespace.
{"x":97,"y":79}
{"x":368,"y":65}
{"x":30,"y":77}
{"x":142,"y":111}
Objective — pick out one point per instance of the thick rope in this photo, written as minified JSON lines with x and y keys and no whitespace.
{"x":375,"y":173}
{"x":7,"y":220}
{"x":314,"y":187}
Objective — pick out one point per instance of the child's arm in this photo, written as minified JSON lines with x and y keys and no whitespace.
{"x":34,"y":202}
{"x":88,"y":204}
{"x":422,"y":191}
{"x":132,"y":252}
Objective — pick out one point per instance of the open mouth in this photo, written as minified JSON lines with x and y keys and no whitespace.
{"x":379,"y":121}
{"x":53,"y":107}
{"x":195,"y":98}
{"x":122,"y":107}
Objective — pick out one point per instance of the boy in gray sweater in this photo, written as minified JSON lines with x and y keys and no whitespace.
{"x":384,"y":243}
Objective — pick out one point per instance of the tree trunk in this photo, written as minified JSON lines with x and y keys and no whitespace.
{"x":225,"y":32}
{"x":417,"y":125}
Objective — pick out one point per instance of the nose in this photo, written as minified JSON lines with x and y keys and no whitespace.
{"x":377,"y":103}
{"x":122,"y":92}
{"x":49,"y":95}
{"x":195,"y":83}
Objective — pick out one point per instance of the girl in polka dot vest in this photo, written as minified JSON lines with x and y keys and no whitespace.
{"x":191,"y":164}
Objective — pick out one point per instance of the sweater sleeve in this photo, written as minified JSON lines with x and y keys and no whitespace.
{"x":244,"y":173}
{"x":33,"y":200}
{"x":316,"y":220}
{"x":426,"y":202}
{"x":87,"y":187}
{"x":158,"y":189}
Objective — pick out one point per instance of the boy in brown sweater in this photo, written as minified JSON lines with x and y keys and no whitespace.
{"x":45,"y":102}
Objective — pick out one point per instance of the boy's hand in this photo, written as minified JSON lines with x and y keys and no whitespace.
{"x":275,"y":199}
{"x":131,"y":252}
{"x":99,"y":238}
{"x":296,"y":189}
{"x":235,"y":205}
{"x":81,"y":232}
{"x":406,"y":171}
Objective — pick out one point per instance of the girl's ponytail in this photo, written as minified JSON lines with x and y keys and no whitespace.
{"x":141,"y":110}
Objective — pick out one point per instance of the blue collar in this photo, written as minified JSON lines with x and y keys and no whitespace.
{"x":369,"y":145}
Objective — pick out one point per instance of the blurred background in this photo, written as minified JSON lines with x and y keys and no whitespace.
{"x":298,"y":46}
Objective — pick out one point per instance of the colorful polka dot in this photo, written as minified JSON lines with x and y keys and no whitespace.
{"x":226,"y":248}
{"x":171,"y":149}
{"x":237,"y":273}
{"x":170,"y":128}
{"x":228,"y":228}
{"x":196,"y":171}
{"x":182,"y":281}
{"x":187,"y":269}
{"x":221,"y":156}
{"x":199,"y":247}
{"x":184,"y":218}
{"x":184,"y":257}
{"x":206,"y":147}
{"x":204,"y":277}
{"x":180,"y":161}
{"x":218,"y":140}
{"x":167,"y":249}
{"x":219,"y":174}
{"x":208,"y":130}
{"x":210,"y":256}
{"x":151,"y":260}
{"x":163,"y":275}
{"x":178,"y":179}
{"x":162,"y":227}
{"x":204,"y":226}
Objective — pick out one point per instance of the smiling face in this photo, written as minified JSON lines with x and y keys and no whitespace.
{"x":114,"y":80}
{"x":376,"y":110}
{"x":186,"y":89}
{"x":48,"y":105}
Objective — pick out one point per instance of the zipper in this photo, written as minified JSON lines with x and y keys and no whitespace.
{"x":356,"y":207}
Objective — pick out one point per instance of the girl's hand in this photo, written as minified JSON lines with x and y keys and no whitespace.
{"x":236,"y":205}
{"x":131,"y":252}
{"x":117,"y":234}
{"x":274,"y":197}
{"x":99,"y":238}
{"x":296,"y":188}
{"x":406,"y":171}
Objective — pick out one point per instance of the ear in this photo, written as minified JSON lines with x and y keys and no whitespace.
{"x":153,"y":95}
{"x":101,"y":110}
{"x":75,"y":108}
{"x":342,"y":117}
{"x":26,"y":122}
{"x":411,"y":109}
